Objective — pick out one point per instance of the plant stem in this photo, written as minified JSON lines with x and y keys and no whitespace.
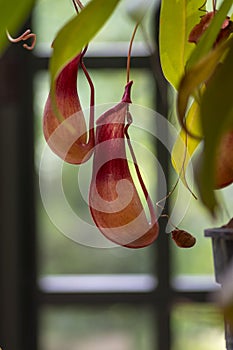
{"x":77,"y":3}
{"x":80,"y":4}
{"x":214,"y":5}
{"x":75,"y":6}
{"x":92,"y":100}
{"x":145,"y":192}
{"x":129,"y":51}
{"x":183,"y":166}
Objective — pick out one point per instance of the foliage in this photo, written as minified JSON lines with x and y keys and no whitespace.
{"x":186,"y":66}
{"x":192,"y":71}
{"x":174,"y":46}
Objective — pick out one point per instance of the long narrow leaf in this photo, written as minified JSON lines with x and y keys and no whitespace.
{"x":216,"y":117}
{"x":196,"y":75}
{"x":78,"y":32}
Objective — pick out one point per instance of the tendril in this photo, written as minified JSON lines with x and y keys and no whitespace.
{"x":77,"y":5}
{"x":129,"y":52}
{"x":23,"y":37}
{"x":92,"y":99}
{"x":145,"y":192}
{"x":182,"y":171}
{"x":214,"y":5}
{"x":80,"y":4}
{"x":201,"y":8}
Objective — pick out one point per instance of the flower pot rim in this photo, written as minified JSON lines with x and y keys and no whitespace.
{"x":219,"y":232}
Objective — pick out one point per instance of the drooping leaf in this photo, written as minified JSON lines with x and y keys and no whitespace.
{"x":185,"y":145}
{"x":216,"y":114}
{"x":12,"y":17}
{"x":177,"y":18}
{"x":78,"y":32}
{"x":209,"y":36}
{"x":196,"y":76}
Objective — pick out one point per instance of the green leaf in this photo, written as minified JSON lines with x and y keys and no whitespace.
{"x":78,"y":32}
{"x":12,"y":17}
{"x":197,"y":75}
{"x":177,"y":18}
{"x":216,"y":112}
{"x":209,"y":36}
{"x":185,"y":145}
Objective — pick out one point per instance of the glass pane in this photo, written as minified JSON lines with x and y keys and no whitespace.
{"x":48,"y":19}
{"x":197,"y":327}
{"x":110,"y":328}
{"x":57,"y":253}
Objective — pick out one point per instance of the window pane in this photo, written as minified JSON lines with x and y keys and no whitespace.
{"x":57,"y":253}
{"x":197,"y":327}
{"x":109,"y":328}
{"x":48,"y":19}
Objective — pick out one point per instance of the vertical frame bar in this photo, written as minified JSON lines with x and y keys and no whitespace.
{"x":17,"y":238}
{"x":163,"y":251}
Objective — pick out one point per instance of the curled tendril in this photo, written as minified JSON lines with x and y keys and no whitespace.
{"x":23,"y":37}
{"x":79,"y":3}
